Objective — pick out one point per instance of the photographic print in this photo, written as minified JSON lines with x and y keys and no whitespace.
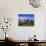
{"x":25,"y":19}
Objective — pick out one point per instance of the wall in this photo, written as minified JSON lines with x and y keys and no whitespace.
{"x":11,"y":8}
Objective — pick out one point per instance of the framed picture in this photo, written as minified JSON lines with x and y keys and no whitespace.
{"x":25,"y":19}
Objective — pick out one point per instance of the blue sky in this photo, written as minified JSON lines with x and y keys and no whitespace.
{"x":26,"y":16}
